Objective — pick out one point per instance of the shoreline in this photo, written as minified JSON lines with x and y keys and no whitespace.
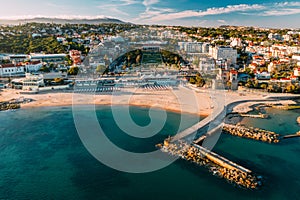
{"x":108,"y":105}
{"x":164,"y":100}
{"x":196,"y":103}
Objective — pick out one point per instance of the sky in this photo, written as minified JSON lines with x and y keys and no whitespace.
{"x":204,"y":13}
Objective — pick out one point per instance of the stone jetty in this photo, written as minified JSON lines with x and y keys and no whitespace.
{"x":251,"y":133}
{"x":13,"y":103}
{"x":9,"y":106}
{"x":262,"y":116}
{"x":216,"y":164}
{"x":287,"y":107}
{"x":292,"y":135}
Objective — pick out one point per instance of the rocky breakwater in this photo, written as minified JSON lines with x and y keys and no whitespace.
{"x":14,"y":103}
{"x":9,"y":106}
{"x":251,"y":133}
{"x":216,"y":164}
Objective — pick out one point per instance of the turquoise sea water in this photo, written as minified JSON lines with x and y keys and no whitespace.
{"x":42,"y":157}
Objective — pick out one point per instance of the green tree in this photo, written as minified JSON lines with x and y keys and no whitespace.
{"x":200,"y":82}
{"x":100,"y":68}
{"x":192,"y":80}
{"x":264,"y":86}
{"x":73,"y":71}
{"x":44,"y":68}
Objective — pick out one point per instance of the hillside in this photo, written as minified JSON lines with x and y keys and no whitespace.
{"x":62,"y":21}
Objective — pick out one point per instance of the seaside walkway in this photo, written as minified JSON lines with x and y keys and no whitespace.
{"x":223,"y":104}
{"x":224,"y":162}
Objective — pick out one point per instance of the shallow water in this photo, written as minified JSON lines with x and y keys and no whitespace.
{"x":42,"y":157}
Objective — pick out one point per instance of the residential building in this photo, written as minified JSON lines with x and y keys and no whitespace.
{"x":233,"y":77}
{"x":274,"y":66}
{"x":205,"y":47}
{"x":224,"y":53}
{"x":263,"y":76}
{"x":296,"y":57}
{"x":223,"y":75}
{"x":274,"y":36}
{"x":7,"y":70}
{"x":33,"y":66}
{"x":191,"y":47}
{"x":297,"y":72}
{"x":207,"y":64}
{"x":75,"y":56}
{"x":236,"y":42}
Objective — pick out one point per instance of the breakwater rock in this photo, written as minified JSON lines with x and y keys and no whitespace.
{"x":9,"y":106}
{"x":251,"y":133}
{"x":216,"y":164}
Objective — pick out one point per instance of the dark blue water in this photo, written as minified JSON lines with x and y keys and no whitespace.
{"x":42,"y":157}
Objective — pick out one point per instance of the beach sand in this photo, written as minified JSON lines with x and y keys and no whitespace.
{"x":178,"y":100}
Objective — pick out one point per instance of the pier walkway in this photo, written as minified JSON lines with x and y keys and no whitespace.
{"x":216,"y":164}
{"x":292,"y":136}
{"x":224,"y":162}
{"x":223,"y":104}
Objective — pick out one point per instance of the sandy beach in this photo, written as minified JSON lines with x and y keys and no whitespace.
{"x":179,"y":100}
{"x":182,"y":99}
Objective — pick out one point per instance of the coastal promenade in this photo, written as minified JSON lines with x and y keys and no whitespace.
{"x":225,"y":102}
{"x":199,"y":150}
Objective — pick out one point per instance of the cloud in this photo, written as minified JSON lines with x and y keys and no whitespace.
{"x":117,"y":4}
{"x":154,"y":11}
{"x":114,"y":6}
{"x":283,"y":8}
{"x":284,"y":4}
{"x":281,"y":12}
{"x":209,"y":11}
{"x":148,"y":3}
{"x":129,"y":2}
{"x":221,"y":21}
{"x":279,"y":9}
{"x":115,"y":10}
{"x":266,"y":9}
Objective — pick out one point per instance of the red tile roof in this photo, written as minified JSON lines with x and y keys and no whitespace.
{"x":32,"y":63}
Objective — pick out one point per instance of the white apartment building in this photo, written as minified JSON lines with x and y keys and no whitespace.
{"x":33,"y":66}
{"x":191,"y":47}
{"x":296,"y":57}
{"x":224,"y":53}
{"x":207,"y":64}
{"x":19,"y":69}
{"x":205,"y":47}
{"x":274,"y":36}
{"x":297,"y":72}
{"x":11,"y":70}
{"x":236,"y":42}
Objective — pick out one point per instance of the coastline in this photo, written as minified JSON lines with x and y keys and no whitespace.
{"x":198,"y":103}
{"x":165,"y":100}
